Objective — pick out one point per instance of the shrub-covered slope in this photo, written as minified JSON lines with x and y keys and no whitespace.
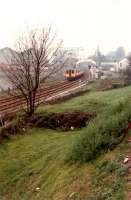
{"x":34,"y":166}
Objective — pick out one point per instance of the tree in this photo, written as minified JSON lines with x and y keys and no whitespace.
{"x":33,"y":62}
{"x":116,"y":55}
{"x":120,"y":53}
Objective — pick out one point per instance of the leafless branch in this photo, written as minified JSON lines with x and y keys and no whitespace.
{"x":34,"y":61}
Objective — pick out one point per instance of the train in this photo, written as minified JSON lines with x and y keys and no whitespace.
{"x":84,"y":67}
{"x":73,"y":74}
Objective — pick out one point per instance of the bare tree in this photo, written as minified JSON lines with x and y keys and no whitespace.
{"x":33,"y":62}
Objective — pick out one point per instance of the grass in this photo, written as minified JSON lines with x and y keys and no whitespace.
{"x":93,"y":101}
{"x":38,"y":159}
{"x":109,"y":173}
{"x":103,"y":133}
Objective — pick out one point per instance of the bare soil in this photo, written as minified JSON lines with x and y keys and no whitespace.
{"x":65,"y":121}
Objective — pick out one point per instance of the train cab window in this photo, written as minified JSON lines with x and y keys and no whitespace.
{"x":72,"y":71}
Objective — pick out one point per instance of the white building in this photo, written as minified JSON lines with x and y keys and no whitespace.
{"x":122,"y":65}
{"x":108,"y":66}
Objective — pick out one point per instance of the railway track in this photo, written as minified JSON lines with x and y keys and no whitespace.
{"x":11,"y":104}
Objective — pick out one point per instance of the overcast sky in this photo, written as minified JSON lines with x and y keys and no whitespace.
{"x":84,"y":23}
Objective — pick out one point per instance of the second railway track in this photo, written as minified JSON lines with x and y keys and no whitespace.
{"x":10,"y":104}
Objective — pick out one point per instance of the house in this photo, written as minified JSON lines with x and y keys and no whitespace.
{"x":123,"y":64}
{"x":108,"y":66}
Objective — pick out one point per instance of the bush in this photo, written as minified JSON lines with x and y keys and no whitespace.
{"x":108,"y":166}
{"x":10,"y":129}
{"x":102,"y":134}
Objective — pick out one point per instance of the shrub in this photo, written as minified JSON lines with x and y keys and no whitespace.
{"x":102,"y":134}
{"x":121,"y":171}
{"x":10,"y":129}
{"x":108,"y":166}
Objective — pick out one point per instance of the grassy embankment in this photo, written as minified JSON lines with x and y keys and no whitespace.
{"x":37,"y":159}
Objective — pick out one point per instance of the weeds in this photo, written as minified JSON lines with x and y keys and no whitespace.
{"x":102,"y":134}
{"x":108,"y":181}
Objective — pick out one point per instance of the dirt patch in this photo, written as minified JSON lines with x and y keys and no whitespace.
{"x":65,"y":121}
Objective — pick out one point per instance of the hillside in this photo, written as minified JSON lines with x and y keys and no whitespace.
{"x":34,"y":165}
{"x":91,"y":101}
